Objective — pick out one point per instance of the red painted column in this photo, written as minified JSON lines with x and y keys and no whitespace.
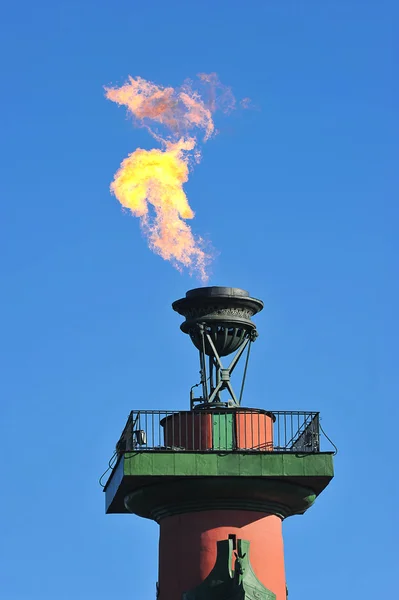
{"x":252,"y":429}
{"x":187,"y":548}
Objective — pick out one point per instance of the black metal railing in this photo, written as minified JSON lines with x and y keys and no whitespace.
{"x":216,"y":430}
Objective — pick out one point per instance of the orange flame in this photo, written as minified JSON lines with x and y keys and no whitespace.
{"x":150,"y":182}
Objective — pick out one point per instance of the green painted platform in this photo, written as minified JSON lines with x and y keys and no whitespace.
{"x":151,"y":473}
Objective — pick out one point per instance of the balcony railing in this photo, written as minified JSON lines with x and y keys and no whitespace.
{"x":216,"y":430}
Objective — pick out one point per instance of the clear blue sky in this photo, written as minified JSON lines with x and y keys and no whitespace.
{"x":300,"y":197}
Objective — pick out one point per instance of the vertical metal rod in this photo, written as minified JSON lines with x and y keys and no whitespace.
{"x":201,"y":358}
{"x":226,"y":446}
{"x":245,"y":373}
{"x":285,"y":430}
{"x":267,"y":441}
{"x":278,"y":430}
{"x":292,"y":427}
{"x":211,"y":374}
{"x":229,"y":431}
{"x":199,"y":416}
{"x":203,"y":363}
{"x":298,"y":423}
{"x":217,"y":397}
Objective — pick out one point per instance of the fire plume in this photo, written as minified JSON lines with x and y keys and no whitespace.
{"x":150,"y":182}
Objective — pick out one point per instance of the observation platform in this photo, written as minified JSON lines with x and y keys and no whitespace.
{"x":169,"y":462}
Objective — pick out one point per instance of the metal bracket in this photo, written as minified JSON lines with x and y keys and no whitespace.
{"x":222,"y":374}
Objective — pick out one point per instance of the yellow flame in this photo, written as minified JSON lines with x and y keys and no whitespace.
{"x":156,"y":177}
{"x":150,"y":182}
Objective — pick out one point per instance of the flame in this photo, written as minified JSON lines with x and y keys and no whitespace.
{"x":156,"y":177}
{"x":150,"y":182}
